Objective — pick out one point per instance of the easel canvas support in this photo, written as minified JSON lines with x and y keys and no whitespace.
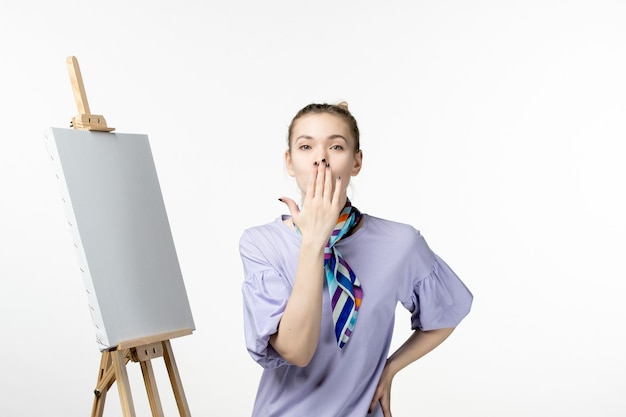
{"x":84,"y":119}
{"x":113,"y":369}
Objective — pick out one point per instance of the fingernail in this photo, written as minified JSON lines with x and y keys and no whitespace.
{"x":324,"y":160}
{"x":315,"y":163}
{"x":281,"y":200}
{"x":338,"y":178}
{"x":327,"y":165}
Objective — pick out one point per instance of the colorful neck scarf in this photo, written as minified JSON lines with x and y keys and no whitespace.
{"x":344,"y":287}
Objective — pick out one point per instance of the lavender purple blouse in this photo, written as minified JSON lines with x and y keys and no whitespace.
{"x":393,"y":263}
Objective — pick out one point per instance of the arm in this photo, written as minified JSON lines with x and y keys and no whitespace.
{"x":299,"y":328}
{"x":416,"y":346}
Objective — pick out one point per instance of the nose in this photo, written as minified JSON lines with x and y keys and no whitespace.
{"x":322,"y":157}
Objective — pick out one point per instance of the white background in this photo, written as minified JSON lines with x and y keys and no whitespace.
{"x":494,"y":127}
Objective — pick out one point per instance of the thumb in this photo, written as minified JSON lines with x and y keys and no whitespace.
{"x":291,"y":205}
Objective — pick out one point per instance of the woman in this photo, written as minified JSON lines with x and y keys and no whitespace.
{"x":310,"y":275}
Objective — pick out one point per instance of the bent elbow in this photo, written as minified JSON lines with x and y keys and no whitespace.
{"x":300,"y":359}
{"x":298,"y":353}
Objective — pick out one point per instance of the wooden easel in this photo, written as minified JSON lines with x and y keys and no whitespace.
{"x":113,"y":368}
{"x":113,"y":362}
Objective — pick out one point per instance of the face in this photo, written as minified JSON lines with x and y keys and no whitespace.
{"x":320,"y":136}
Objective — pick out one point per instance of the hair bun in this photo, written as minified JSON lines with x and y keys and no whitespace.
{"x":343,"y":104}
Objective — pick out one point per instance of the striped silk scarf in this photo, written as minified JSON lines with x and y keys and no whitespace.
{"x":343,"y":286}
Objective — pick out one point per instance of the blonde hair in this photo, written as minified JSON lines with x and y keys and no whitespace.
{"x":339,"y":109}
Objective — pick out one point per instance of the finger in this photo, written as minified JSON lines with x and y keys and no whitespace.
{"x":385,"y":404}
{"x":310,"y":186}
{"x":374,"y":402}
{"x":339,"y":194}
{"x":291,"y":205}
{"x":328,"y":182}
{"x":321,"y":176}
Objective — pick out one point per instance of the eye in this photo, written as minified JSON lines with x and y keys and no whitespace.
{"x":337,"y":147}
{"x":304,"y":147}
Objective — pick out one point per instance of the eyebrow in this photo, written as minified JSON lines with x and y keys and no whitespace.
{"x":329,"y":137}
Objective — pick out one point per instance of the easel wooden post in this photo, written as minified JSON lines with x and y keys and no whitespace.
{"x":113,"y":362}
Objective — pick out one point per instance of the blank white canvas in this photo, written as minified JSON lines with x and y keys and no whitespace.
{"x":119,"y":225}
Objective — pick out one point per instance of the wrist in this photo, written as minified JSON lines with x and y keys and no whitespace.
{"x":312,"y":245}
{"x":392,"y":367}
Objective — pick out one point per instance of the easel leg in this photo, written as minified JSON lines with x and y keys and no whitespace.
{"x":102,"y":385}
{"x":151,"y":388}
{"x":123,"y":385}
{"x":177,"y":386}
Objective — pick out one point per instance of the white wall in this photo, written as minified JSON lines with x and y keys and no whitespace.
{"x":495,"y":127}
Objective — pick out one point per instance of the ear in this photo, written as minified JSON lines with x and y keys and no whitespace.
{"x":358,"y":163}
{"x":288,"y":163}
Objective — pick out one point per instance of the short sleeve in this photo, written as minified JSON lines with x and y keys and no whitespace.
{"x":265,"y":295}
{"x":439,"y":300}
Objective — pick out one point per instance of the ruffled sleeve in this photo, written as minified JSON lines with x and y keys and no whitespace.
{"x":439,"y":300}
{"x":265,"y":295}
